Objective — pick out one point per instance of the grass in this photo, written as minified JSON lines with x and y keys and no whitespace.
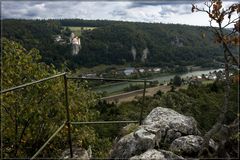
{"x":207,"y":81}
{"x":98,"y":69}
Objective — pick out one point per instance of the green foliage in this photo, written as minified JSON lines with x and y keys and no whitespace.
{"x":111,"y":42}
{"x":102,"y":147}
{"x":158,"y":94}
{"x":32,"y":114}
{"x":181,"y":69}
{"x":39,"y":34}
{"x":201,"y":102}
{"x":177,"y":81}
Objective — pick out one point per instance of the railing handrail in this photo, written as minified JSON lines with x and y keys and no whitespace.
{"x":64,"y":73}
{"x":31,"y":83}
{"x":111,"y":79}
{"x":68,"y":121}
{"x":103,"y":122}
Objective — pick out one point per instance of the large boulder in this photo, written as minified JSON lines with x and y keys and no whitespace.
{"x":156,"y":154}
{"x":189,"y":145}
{"x":162,"y":125}
{"x":170,"y":124}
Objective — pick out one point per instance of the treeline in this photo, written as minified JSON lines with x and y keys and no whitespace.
{"x":85,"y":23}
{"x":111,"y":42}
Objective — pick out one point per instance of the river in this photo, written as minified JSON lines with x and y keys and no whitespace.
{"x":116,"y":87}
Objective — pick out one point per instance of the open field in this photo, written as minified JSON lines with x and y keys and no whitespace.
{"x":130,"y":96}
{"x":99,"y":69}
{"x":208,"y":81}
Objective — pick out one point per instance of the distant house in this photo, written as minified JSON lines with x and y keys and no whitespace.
{"x":211,"y":77}
{"x":156,"y":69}
{"x":141,"y":70}
{"x":199,"y":77}
{"x":129,"y":71}
{"x":58,"y":39}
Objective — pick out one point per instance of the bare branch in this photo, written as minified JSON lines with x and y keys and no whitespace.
{"x":233,"y":32}
{"x":233,"y":21}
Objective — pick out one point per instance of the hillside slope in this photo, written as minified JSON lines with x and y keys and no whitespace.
{"x":113,"y":42}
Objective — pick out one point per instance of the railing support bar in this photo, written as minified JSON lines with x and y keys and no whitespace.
{"x":45,"y":144}
{"x":104,"y":122}
{"x":109,"y":79}
{"x":68,"y":115}
{"x":143,"y":103}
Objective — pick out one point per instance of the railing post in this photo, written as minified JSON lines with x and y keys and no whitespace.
{"x":143,"y":103}
{"x":68,"y":115}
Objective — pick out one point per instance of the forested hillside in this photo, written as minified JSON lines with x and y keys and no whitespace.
{"x":111,"y":42}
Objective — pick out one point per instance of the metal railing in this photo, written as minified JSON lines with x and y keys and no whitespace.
{"x":68,"y":118}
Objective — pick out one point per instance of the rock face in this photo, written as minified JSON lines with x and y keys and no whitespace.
{"x":189,"y":145}
{"x":161,"y":126}
{"x":133,"y":144}
{"x":157,"y":154}
{"x":170,"y":124}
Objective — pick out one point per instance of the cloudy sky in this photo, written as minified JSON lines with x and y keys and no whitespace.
{"x":164,"y":11}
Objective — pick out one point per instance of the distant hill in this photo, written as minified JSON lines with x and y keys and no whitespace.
{"x":113,"y":42}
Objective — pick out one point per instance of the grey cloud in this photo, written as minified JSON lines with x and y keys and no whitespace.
{"x":118,"y":13}
{"x":176,"y":9}
{"x":139,"y":4}
{"x":31,"y":14}
{"x":143,"y":11}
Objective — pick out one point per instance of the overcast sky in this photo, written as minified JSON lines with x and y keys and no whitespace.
{"x":141,"y":11}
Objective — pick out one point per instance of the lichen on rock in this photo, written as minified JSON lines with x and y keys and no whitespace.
{"x":161,"y":126}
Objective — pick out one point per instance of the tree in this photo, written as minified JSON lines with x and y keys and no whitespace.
{"x":177,"y":81}
{"x":223,"y":18}
{"x":32,"y":114}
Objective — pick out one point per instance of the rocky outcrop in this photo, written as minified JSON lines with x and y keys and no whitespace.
{"x":189,"y":145}
{"x":160,"y":128}
{"x":169,"y":124}
{"x":133,"y":144}
{"x":177,"y":42}
{"x":78,"y":153}
{"x":156,"y":154}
